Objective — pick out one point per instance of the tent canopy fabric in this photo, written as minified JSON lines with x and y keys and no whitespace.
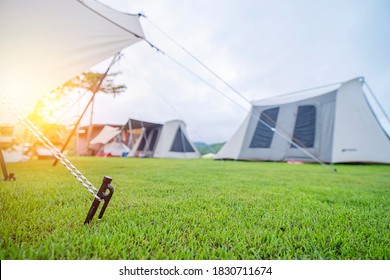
{"x":106,"y":135}
{"x":137,"y":124}
{"x":44,"y":43}
{"x":293,"y":97}
{"x":334,"y":124}
{"x":107,"y":144}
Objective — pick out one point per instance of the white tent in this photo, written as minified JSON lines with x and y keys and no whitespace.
{"x":44,"y":43}
{"x":336,"y":124}
{"x":116,"y":149}
{"x":105,"y":135}
{"x":169,"y":140}
{"x":108,"y":143}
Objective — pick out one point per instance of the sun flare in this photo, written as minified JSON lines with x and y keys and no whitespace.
{"x":48,"y":108}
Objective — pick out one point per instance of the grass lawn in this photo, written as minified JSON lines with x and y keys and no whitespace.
{"x":197,"y":209}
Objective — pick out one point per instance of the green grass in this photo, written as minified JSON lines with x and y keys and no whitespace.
{"x":197,"y":209}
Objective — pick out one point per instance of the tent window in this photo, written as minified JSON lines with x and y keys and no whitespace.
{"x":305,"y":127}
{"x":144,"y":136}
{"x":180,"y":143}
{"x":262,"y":138}
{"x":154,"y":138}
{"x":142,"y":144}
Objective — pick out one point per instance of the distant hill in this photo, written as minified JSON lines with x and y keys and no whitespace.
{"x":204,"y":148}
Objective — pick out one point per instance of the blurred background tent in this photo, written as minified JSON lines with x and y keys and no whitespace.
{"x":109,"y":143}
{"x":168,"y":140}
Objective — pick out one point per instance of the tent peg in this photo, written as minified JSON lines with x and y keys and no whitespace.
{"x":7,"y":176}
{"x":105,"y":193}
{"x":10,"y":177}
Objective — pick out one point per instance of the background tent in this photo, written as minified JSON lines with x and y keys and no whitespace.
{"x":336,"y":125}
{"x":107,"y":143}
{"x":169,"y":140}
{"x":11,"y":149}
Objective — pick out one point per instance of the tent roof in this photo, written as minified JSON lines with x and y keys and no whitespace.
{"x":101,"y":125}
{"x":136,"y":124}
{"x":297,"y":96}
{"x":44,"y":43}
{"x":107,"y":133}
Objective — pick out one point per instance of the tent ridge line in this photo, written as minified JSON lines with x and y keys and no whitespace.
{"x":102,"y":16}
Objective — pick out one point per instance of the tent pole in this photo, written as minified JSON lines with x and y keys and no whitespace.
{"x":3,"y":166}
{"x":7,"y":177}
{"x":74,"y":130}
{"x":94,"y":89}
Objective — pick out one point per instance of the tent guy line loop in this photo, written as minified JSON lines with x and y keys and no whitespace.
{"x":46,"y":142}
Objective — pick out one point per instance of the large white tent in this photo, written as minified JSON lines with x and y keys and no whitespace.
{"x":334,"y":124}
{"x":44,"y":43}
{"x":168,"y":140}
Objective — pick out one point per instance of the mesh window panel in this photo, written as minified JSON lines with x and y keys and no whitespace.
{"x":181,"y":144}
{"x":305,"y":127}
{"x":262,"y":138}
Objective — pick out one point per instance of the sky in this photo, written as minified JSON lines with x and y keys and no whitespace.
{"x":261,"y":48}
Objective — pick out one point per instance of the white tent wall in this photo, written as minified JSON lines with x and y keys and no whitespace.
{"x":281,"y":149}
{"x":105,"y":135}
{"x":166,"y":139}
{"x":278,"y":145}
{"x":358,"y":136}
{"x":14,"y":154}
{"x":232,"y":148}
{"x":323,"y":128}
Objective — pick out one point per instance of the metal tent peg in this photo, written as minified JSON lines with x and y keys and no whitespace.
{"x":105,"y":193}
{"x":7,"y":176}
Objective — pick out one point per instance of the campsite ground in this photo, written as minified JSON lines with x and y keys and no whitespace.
{"x":197,"y":209}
